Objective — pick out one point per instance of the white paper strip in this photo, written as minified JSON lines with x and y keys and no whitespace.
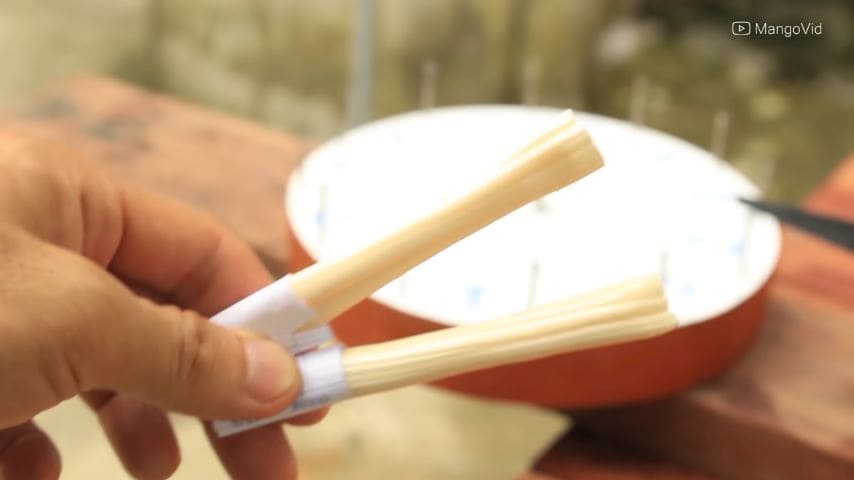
{"x":272,"y":311}
{"x":323,"y":383}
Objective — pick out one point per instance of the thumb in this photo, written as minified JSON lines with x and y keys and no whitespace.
{"x":181,"y":361}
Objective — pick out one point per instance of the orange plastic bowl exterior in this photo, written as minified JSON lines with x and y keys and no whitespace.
{"x":612,"y":375}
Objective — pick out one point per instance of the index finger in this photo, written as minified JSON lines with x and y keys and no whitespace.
{"x":183,"y":254}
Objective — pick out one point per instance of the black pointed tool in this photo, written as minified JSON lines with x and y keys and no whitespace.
{"x":833,"y":230}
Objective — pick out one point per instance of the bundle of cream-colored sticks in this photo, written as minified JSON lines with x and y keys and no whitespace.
{"x":295,"y":309}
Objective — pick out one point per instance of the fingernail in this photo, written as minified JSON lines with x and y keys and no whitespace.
{"x":271,"y":371}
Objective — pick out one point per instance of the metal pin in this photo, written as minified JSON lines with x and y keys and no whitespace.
{"x":322,"y":210}
{"x":766,"y":176}
{"x":639,"y":100}
{"x":746,"y":228}
{"x":533,"y":282}
{"x":154,"y":42}
{"x":720,"y":132}
{"x":361,"y":91}
{"x":429,"y":84}
{"x":531,"y":81}
{"x":402,"y":286}
{"x":663,"y":264}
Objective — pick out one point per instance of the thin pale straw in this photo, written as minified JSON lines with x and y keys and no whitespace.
{"x":557,"y":158}
{"x":569,"y":325}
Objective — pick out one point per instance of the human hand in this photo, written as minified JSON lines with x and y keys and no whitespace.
{"x":92,"y":275}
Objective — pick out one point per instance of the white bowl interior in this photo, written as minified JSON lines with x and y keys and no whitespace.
{"x":659,"y":205}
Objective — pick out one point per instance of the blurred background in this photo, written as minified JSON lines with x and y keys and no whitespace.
{"x":785,"y":105}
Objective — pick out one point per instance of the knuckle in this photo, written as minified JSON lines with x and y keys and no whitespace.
{"x":43,"y":176}
{"x":39,"y":162}
{"x":91,"y":332}
{"x":92,"y":324}
{"x":194,"y":352}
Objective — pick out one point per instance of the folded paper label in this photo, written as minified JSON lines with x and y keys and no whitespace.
{"x":323,"y":382}
{"x":273,"y":311}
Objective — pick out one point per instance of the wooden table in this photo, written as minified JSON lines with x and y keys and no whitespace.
{"x":230,"y":167}
{"x":785,"y":412}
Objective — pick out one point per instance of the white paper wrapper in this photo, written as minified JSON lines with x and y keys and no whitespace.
{"x":323,"y":383}
{"x":273,"y":311}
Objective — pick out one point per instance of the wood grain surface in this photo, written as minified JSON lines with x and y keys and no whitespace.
{"x":229,"y":167}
